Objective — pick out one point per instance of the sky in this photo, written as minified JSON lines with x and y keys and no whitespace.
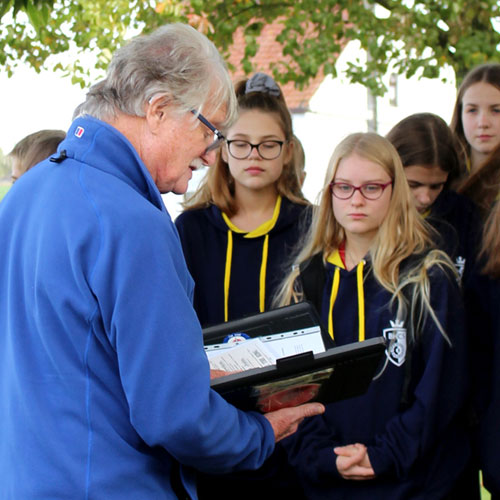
{"x":30,"y":102}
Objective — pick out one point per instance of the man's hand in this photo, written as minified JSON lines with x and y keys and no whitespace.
{"x":218,"y":373}
{"x":286,"y":420}
{"x":353,"y":462}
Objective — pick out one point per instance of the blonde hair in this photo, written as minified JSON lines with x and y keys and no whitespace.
{"x":217,"y":186}
{"x":403,"y":233}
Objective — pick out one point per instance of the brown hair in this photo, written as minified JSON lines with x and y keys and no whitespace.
{"x":487,"y":73}
{"x":483,"y":184}
{"x":425,"y":139}
{"x":218,"y":185}
{"x":36,"y":147}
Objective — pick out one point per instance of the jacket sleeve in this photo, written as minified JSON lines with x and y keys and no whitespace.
{"x":144,"y":294}
{"x":310,"y":451}
{"x":439,"y":385}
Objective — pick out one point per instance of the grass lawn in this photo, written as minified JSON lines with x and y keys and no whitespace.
{"x":485,"y":495}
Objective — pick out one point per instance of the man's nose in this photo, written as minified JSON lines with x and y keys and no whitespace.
{"x":209,"y":157}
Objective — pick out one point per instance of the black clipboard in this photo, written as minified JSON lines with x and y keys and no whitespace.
{"x":338,"y":373}
{"x":282,"y":319}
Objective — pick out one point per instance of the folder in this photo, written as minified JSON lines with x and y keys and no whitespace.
{"x":337,"y":373}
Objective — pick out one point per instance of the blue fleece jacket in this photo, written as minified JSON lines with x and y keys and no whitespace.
{"x":104,"y":383}
{"x":409,"y":419}
{"x":250,"y":265}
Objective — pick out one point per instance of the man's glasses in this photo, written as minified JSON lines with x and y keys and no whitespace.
{"x":268,"y":150}
{"x":218,"y":136}
{"x":370,"y":191}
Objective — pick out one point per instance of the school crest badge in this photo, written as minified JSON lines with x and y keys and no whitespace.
{"x":396,"y":342}
{"x":460,"y":265}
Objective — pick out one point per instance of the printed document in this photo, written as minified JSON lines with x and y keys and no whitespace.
{"x":264,"y":350}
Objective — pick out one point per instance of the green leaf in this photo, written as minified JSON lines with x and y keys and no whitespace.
{"x":408,"y":37}
{"x":4,"y":7}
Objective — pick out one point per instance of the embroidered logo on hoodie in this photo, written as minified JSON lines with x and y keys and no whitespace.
{"x":396,"y":342}
{"x":460,"y":265}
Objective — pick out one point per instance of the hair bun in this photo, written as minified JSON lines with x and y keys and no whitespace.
{"x":260,"y":82}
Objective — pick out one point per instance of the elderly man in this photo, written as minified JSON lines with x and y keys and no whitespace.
{"x":104,"y":383}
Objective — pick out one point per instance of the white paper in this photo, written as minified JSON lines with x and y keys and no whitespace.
{"x":281,"y":344}
{"x":295,"y":342}
{"x":263,"y":351}
{"x":243,"y":356}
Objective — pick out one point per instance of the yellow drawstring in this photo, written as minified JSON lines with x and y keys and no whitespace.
{"x":263,"y":268}
{"x":361,"y":301}
{"x":335,"y":259}
{"x":227,"y":273}
{"x":333,"y":297}
{"x":262,"y":230}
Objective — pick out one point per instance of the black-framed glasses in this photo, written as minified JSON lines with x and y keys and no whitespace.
{"x":370,"y":191}
{"x":268,"y":150}
{"x":218,"y":135}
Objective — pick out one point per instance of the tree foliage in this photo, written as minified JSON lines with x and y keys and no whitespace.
{"x":406,"y":36}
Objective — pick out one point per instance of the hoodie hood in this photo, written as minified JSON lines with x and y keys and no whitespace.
{"x":238,"y":271}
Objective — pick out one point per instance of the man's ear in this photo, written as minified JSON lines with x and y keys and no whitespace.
{"x":156,"y":111}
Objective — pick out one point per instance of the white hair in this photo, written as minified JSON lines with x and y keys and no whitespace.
{"x":175,"y":62}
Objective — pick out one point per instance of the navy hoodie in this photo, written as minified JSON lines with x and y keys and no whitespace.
{"x":410,"y":417}
{"x":236,"y":273}
{"x":489,"y":429}
{"x":458,"y":223}
{"x":483,"y":298}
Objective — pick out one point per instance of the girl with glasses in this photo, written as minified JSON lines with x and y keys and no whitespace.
{"x":241,"y":224}
{"x":369,"y":265}
{"x":476,"y":124}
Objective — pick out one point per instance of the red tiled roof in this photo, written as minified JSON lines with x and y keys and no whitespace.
{"x":270,"y":51}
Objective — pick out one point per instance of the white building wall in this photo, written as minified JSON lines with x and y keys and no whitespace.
{"x":339,"y":108}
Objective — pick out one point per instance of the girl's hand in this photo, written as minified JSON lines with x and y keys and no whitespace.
{"x":353,"y":462}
